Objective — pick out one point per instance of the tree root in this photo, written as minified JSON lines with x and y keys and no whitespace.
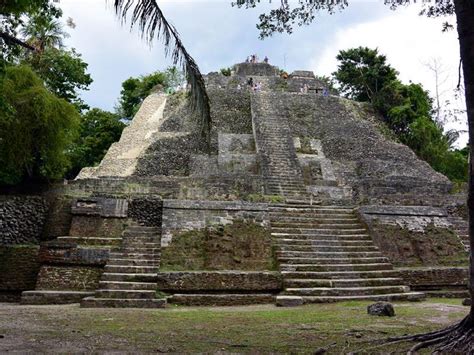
{"x":457,"y":338}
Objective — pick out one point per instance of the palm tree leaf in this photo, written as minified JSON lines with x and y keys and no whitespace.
{"x":147,"y":15}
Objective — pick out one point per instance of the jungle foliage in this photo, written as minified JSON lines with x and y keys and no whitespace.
{"x":135,"y":90}
{"x":363,"y":74}
{"x":98,"y":129}
{"x":36,"y":128}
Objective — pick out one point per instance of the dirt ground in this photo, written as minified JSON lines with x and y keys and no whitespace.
{"x":335,"y":328}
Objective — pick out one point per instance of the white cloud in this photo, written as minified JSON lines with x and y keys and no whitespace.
{"x":218,"y":35}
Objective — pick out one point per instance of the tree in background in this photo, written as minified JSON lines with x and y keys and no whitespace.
{"x":364,"y":75}
{"x":64,"y":73}
{"x":97,"y":131}
{"x":36,"y":129}
{"x":135,"y":90}
{"x":43,"y":30}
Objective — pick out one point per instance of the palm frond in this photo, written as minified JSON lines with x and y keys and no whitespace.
{"x":147,"y":15}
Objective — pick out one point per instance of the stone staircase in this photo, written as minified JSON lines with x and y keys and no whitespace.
{"x":461,"y":228}
{"x":122,"y":156}
{"x":326,"y":255}
{"x":129,"y":279}
{"x":279,"y":162}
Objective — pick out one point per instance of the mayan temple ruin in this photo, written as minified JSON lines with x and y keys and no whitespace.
{"x":304,"y":197}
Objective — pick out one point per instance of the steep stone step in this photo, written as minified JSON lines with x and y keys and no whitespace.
{"x":310,"y":283}
{"x":133,"y":262}
{"x":320,"y":248}
{"x":336,"y":267}
{"x":130,"y":269}
{"x":406,"y":296}
{"x":344,"y":224}
{"x":144,"y":239}
{"x":128,"y":294}
{"x":316,"y":237}
{"x":324,"y":254}
{"x":122,"y":285}
{"x":327,"y":261}
{"x":141,"y":250}
{"x":319,"y":231}
{"x":136,"y":229}
{"x":118,"y":255}
{"x":307,"y":217}
{"x":283,"y":207}
{"x":346,"y":291}
{"x":92,"y":302}
{"x":284,"y":255}
{"x":92,"y":241}
{"x":129,"y":277}
{"x":337,"y":275}
{"x":309,"y":221}
{"x":321,"y":242}
{"x":221,"y":299}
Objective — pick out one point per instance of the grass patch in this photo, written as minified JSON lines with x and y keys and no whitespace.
{"x":341,"y":327}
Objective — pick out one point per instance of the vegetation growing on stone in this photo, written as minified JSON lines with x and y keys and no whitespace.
{"x":238,"y":246}
{"x":431,"y":247}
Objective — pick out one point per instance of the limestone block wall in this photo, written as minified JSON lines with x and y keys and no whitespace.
{"x":181,"y":216}
{"x":215,"y":187}
{"x":435,"y":277}
{"x":414,"y":235}
{"x":19,"y":266}
{"x":66,"y":266}
{"x":229,"y":281}
{"x":22,"y":219}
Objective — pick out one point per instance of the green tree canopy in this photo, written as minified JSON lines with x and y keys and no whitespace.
{"x":98,"y":130}
{"x":362,"y":72}
{"x":135,"y":90}
{"x":64,"y":73}
{"x":36,"y":130}
{"x":364,"y":75}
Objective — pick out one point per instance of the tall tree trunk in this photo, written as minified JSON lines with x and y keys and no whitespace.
{"x":465,"y":24}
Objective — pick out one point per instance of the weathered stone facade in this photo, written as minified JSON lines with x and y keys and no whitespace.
{"x":337,"y":197}
{"x":19,"y":266}
{"x":21,"y":219}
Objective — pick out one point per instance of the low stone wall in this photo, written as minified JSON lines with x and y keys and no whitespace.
{"x":435,"y":277}
{"x":212,"y":281}
{"x":19,"y":266}
{"x":76,"y":278}
{"x":21,"y":219}
{"x":65,"y":266}
{"x":211,"y":187}
{"x":414,"y":235}
{"x":182,"y":216}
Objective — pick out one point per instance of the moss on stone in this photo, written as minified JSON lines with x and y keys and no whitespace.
{"x":238,"y":246}
{"x":435,"y":246}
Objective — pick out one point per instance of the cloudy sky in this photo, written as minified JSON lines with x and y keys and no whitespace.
{"x":218,"y":35}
